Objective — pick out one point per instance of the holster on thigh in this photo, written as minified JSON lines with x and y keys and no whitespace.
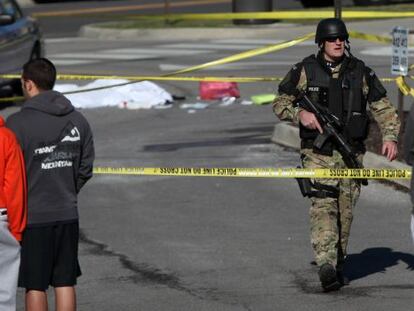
{"x":317,"y":190}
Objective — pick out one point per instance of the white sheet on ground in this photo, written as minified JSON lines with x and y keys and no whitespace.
{"x":140,"y":95}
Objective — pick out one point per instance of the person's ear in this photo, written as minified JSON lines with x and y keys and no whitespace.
{"x":29,"y":85}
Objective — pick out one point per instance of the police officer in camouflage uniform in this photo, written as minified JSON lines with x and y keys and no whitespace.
{"x":334,"y":78}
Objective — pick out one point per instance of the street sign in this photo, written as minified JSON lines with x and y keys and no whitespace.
{"x":399,"y":57}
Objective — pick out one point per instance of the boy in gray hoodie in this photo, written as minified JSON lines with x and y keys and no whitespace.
{"x":58,"y":150}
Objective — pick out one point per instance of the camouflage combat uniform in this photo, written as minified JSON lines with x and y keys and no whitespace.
{"x":331,"y":218}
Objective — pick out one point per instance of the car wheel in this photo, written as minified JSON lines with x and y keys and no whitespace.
{"x":44,"y":1}
{"x":316,"y":3}
{"x":16,"y":87}
{"x":35,"y":52}
{"x":371,"y":2}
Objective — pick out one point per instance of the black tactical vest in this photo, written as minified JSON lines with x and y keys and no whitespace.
{"x":342,"y":96}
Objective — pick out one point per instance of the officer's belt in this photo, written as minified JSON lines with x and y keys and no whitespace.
{"x":324,"y":191}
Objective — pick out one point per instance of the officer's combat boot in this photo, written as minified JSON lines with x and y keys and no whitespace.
{"x":342,"y":279}
{"x":340,"y":268}
{"x":329,"y":278}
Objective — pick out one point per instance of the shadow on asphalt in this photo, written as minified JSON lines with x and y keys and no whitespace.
{"x":244,"y":140}
{"x":254,"y":135}
{"x":260,"y":129}
{"x":374,"y":260}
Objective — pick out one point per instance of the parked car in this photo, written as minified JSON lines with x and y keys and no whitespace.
{"x":322,"y":3}
{"x":20,"y":41}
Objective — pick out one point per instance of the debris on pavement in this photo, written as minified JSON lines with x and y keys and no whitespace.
{"x":218,"y":90}
{"x":246,"y":102}
{"x":227,"y":101}
{"x":198,"y":105}
{"x":263,"y":99}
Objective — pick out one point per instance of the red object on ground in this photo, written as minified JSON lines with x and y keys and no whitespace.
{"x":218,"y":90}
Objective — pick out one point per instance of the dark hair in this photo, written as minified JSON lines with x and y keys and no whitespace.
{"x":42,"y":72}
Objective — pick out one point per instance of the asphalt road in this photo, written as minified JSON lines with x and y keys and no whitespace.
{"x":168,"y":243}
{"x":171,"y":243}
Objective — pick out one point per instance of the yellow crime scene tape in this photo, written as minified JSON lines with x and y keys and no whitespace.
{"x":369,"y":37}
{"x":295,"y":15}
{"x":233,"y":58}
{"x":403,"y":86}
{"x":247,"y":54}
{"x":244,"y":172}
{"x":291,"y":14}
{"x":123,"y":8}
{"x":225,"y":60}
{"x":155,"y":78}
{"x":366,"y":173}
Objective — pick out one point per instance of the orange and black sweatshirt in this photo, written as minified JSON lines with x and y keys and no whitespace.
{"x":13,"y":193}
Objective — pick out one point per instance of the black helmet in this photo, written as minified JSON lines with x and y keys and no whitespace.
{"x":330,"y":28}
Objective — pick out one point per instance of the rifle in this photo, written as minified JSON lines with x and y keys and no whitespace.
{"x":331,"y":126}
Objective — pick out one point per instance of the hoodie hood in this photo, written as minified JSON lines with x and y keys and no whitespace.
{"x":50,"y":102}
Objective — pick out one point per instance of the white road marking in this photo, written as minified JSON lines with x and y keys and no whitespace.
{"x":71,"y":62}
{"x":209,"y":46}
{"x":103,"y":56}
{"x":167,"y":50}
{"x":234,"y":45}
{"x":66,"y":39}
{"x":77,"y":58}
{"x":156,"y":51}
{"x":248,"y":41}
{"x":232,"y":66}
{"x":260,"y":42}
{"x":383,"y":51}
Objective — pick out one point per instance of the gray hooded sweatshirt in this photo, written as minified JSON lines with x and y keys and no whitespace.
{"x":58,"y":149}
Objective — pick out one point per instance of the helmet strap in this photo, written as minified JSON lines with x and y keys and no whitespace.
{"x":321,"y":46}
{"x":348,"y":48}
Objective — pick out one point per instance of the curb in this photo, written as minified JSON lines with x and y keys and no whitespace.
{"x":96,"y":31}
{"x":288,"y":135}
{"x":26,"y":3}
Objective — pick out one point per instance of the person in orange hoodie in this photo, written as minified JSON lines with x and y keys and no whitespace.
{"x":13,"y":214}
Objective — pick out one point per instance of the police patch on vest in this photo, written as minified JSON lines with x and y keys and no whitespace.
{"x":313,"y":88}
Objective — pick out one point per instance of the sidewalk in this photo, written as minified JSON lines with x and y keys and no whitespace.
{"x":26,"y":3}
{"x":199,"y":33}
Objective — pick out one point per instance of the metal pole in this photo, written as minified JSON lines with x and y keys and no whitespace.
{"x":338,"y":9}
{"x":167,"y":10}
